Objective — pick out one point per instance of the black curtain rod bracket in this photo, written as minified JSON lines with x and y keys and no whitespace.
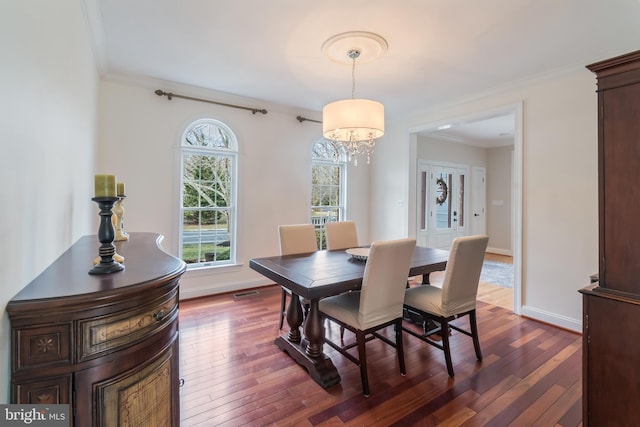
{"x":170,"y":95}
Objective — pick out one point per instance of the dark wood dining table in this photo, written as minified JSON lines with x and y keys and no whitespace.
{"x":320,"y":274}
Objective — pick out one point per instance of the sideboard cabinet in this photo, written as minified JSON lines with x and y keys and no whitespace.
{"x":105,"y":344}
{"x":611,"y":307}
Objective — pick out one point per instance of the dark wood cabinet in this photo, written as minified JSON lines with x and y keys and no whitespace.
{"x":105,"y":344}
{"x":611,"y":307}
{"x":611,"y":358}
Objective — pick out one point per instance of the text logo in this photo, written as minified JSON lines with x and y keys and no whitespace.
{"x":34,"y":415}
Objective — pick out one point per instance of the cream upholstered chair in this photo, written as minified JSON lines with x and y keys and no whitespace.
{"x":341,"y":235}
{"x":376,"y":305}
{"x":457,"y":297}
{"x":295,"y":239}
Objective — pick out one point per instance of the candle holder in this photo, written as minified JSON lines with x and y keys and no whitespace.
{"x":106,"y":236}
{"x":118,"y":211}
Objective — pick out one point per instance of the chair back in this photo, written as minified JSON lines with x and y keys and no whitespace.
{"x":384,"y":281}
{"x":341,"y":235}
{"x":297,"y":239}
{"x":461,"y":277}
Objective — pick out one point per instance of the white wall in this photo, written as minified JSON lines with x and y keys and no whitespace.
{"x":451,"y":152}
{"x":48,"y":83}
{"x":139,"y":140}
{"x":499,"y":201}
{"x":559,"y":187}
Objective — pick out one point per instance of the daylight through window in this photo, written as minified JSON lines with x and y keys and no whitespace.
{"x":208,"y":194}
{"x":328,"y":196}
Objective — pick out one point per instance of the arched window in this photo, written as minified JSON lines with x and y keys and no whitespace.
{"x":328,"y":193}
{"x":208,"y":194}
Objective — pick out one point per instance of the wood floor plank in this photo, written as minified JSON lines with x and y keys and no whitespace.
{"x":540,"y":405}
{"x":234,"y":374}
{"x":564,"y":406}
{"x":505,"y":401}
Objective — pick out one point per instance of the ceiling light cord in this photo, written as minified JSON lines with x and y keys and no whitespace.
{"x":353,"y":54}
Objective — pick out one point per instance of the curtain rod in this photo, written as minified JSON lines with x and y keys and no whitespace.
{"x":304,"y":119}
{"x":170,"y":95}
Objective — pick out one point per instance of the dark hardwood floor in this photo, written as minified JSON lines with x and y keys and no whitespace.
{"x":234,"y":375}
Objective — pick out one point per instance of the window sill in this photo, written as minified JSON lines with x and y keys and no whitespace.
{"x":206,"y":270}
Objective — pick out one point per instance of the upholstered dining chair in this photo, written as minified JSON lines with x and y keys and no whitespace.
{"x":456,"y":298}
{"x":376,"y":305}
{"x":341,"y":235}
{"x":295,"y":239}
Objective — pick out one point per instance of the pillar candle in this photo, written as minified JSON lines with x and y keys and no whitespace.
{"x":105,"y":185}
{"x":121,"y":189}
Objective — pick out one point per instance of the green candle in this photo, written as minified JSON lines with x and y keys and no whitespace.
{"x":105,"y":185}
{"x":121,"y":189}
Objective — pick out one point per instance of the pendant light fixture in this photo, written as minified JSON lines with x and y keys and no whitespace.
{"x":354,"y":124}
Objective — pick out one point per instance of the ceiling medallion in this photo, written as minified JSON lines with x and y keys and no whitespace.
{"x":370,"y":45}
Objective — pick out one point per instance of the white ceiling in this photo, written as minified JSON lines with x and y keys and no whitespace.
{"x":485,"y":131}
{"x":439,"y":51}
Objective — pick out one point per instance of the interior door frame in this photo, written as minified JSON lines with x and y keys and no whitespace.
{"x":478,"y":201}
{"x":516,"y":236}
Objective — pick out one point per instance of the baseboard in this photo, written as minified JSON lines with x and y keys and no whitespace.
{"x":186,"y":293}
{"x":499,"y":251}
{"x":554,"y":319}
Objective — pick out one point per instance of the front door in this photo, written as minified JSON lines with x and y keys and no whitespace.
{"x":443,"y":204}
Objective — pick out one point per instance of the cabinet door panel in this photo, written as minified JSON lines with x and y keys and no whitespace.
{"x":620,"y":228}
{"x":140,"y":398}
{"x":139,"y":388}
{"x":612,"y":360}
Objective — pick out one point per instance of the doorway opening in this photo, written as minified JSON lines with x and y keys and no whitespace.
{"x":482,"y":210}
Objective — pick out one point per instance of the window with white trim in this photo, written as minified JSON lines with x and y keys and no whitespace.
{"x":328,"y":183}
{"x":208,"y":194}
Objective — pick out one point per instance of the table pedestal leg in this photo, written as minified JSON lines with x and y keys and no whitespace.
{"x":294,"y":318}
{"x":308,"y":351}
{"x":314,"y":331}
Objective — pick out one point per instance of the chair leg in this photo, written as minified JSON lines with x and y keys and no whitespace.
{"x":362,"y":355}
{"x":306,"y":306}
{"x":474,"y":334}
{"x":446,"y":347}
{"x":283,"y":308}
{"x":400,"y":347}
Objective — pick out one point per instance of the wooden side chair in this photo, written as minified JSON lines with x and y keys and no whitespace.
{"x":341,"y":235}
{"x":456,"y":299}
{"x":377,"y":305}
{"x":295,"y":239}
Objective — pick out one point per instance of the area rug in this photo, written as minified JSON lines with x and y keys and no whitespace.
{"x":497,"y":273}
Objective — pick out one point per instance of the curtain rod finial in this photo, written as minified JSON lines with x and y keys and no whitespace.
{"x":160,"y":92}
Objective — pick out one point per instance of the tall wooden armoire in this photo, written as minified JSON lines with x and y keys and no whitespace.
{"x":611,"y":317}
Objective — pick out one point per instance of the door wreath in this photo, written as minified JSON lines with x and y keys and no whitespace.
{"x":443,"y":190}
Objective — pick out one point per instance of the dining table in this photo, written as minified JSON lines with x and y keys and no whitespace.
{"x":320,"y":274}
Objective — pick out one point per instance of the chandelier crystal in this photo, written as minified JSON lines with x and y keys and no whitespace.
{"x":353,"y":124}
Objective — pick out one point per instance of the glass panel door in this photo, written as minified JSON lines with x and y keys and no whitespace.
{"x":447,"y":201}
